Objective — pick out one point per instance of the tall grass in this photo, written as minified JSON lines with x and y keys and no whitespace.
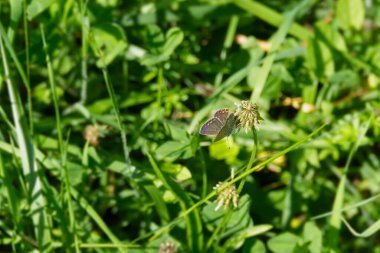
{"x":30,"y":170}
{"x":152,"y":71}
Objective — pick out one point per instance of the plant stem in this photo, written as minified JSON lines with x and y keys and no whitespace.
{"x":29,"y":164}
{"x":251,"y":159}
{"x":84,"y":49}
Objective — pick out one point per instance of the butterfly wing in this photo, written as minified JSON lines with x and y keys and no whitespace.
{"x":211,"y":127}
{"x":222,"y":115}
{"x":228,"y":128}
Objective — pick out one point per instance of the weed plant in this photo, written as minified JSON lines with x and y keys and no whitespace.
{"x":109,"y":109}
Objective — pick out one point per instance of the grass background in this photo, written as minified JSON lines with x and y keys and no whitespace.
{"x":100,"y":108}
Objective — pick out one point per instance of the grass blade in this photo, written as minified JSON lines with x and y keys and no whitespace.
{"x":16,"y":12}
{"x":62,"y":150}
{"x":272,"y":17}
{"x":12,"y":197}
{"x":29,"y":164}
{"x":21,"y":71}
{"x":159,"y":202}
{"x":84,"y":51}
{"x":276,"y":42}
{"x":241,"y":176}
{"x":276,"y":19}
{"x":95,"y":216}
{"x":230,"y":35}
{"x":366,"y":233}
{"x":193,"y":221}
{"x":111,"y":93}
{"x":359,"y":204}
{"x":48,"y":163}
{"x":335,"y":220}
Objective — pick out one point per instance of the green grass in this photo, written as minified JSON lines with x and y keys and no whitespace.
{"x":101,"y":103}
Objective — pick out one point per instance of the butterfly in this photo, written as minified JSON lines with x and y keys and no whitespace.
{"x":223,"y":124}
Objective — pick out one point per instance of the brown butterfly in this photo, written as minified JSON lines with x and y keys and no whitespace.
{"x":223,"y":124}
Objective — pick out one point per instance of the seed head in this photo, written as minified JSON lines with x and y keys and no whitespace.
{"x":167,"y":247}
{"x":92,"y":133}
{"x":226,"y":195}
{"x":248,"y":116}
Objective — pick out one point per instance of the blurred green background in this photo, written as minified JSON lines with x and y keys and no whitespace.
{"x":101,"y":103}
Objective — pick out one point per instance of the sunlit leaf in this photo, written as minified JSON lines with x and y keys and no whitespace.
{"x":36,"y":7}
{"x":350,"y":13}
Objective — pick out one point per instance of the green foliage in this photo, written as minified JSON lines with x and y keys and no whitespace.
{"x":350,"y":14}
{"x":112,"y":40}
{"x":101,"y":104}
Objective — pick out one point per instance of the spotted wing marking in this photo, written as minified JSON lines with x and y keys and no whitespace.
{"x":214,"y":125}
{"x":211,"y":127}
{"x":222,"y":115}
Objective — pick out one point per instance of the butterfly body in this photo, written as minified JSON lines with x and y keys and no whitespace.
{"x":221,"y":125}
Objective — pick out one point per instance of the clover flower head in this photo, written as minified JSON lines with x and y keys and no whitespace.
{"x":92,"y":133}
{"x":167,"y":247}
{"x":226,"y":195}
{"x":248,"y":116}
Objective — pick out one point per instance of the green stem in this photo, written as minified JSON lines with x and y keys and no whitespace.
{"x":251,"y":159}
{"x":111,"y":93}
{"x":160,"y":83}
{"x":272,"y":17}
{"x":84,"y":49}
{"x":222,"y":225}
{"x":193,"y":222}
{"x":69,"y":197}
{"x":204,"y":174}
{"x":62,"y":149}
{"x":53,"y":89}
{"x":335,"y":220}
{"x":130,"y":168}
{"x":232,"y":26}
{"x":27,"y":61}
{"x":241,"y":176}
{"x":30,"y":170}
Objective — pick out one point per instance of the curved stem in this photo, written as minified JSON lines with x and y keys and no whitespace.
{"x":251,"y":160}
{"x":222,"y":226}
{"x":248,"y":171}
